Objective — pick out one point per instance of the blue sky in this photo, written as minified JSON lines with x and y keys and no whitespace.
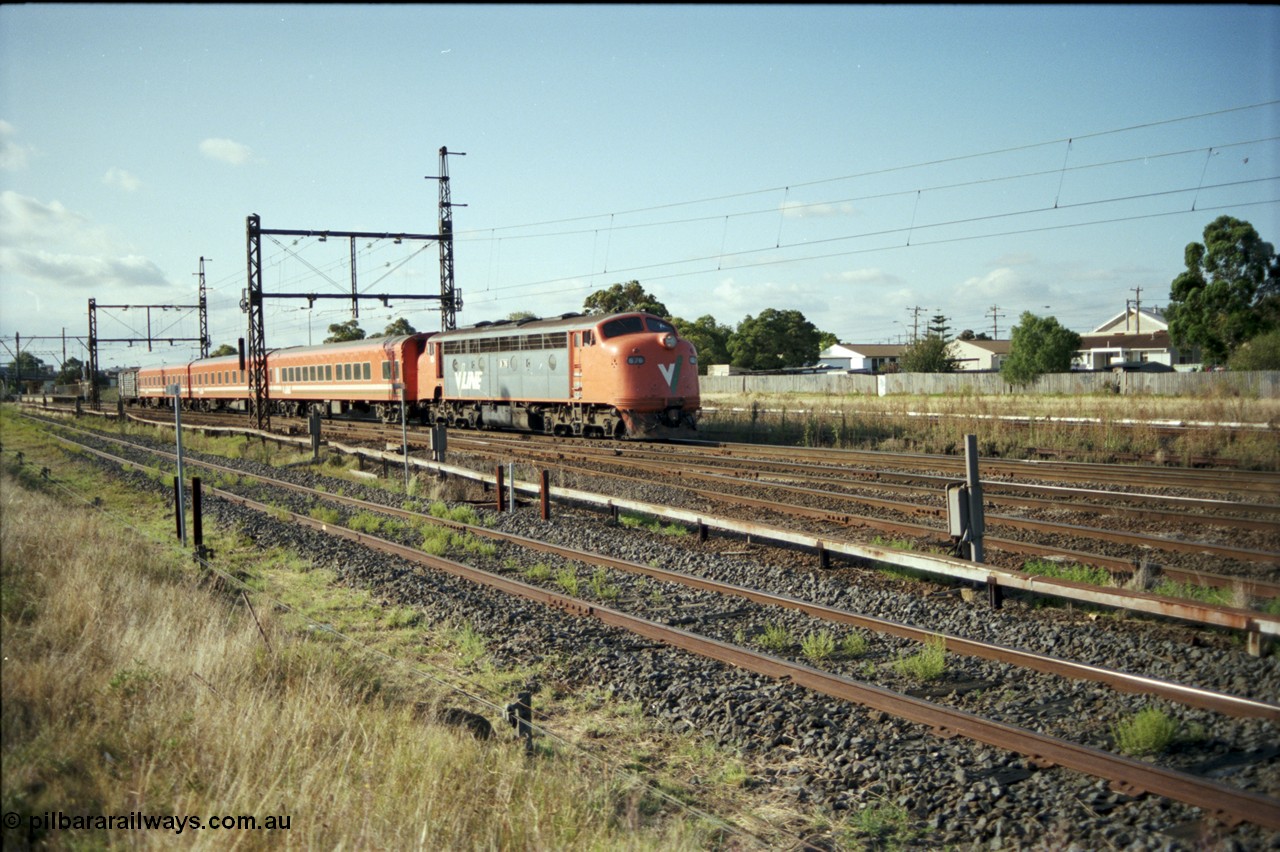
{"x":852,"y":163}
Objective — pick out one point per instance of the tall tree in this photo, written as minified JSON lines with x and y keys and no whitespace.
{"x":624,"y":297}
{"x":341,"y":332}
{"x":775,"y":339}
{"x":224,"y":349}
{"x":72,"y":371}
{"x":929,"y":354}
{"x":1038,"y":345}
{"x":1229,"y":293}
{"x":707,"y":336}
{"x":398,"y":328}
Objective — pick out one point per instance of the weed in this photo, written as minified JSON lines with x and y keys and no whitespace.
{"x":1190,"y":591}
{"x":538,"y":573}
{"x":817,"y":647}
{"x":775,"y":638}
{"x":853,"y":646}
{"x":1073,"y":572}
{"x":926,"y":664}
{"x":566,"y":579}
{"x":602,"y":588}
{"x":1149,"y":732}
{"x":326,"y":515}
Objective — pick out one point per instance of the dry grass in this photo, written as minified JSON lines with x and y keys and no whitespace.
{"x":1093,"y":428}
{"x":127,"y":688}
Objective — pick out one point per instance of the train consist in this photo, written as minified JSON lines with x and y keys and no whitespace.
{"x":620,"y":375}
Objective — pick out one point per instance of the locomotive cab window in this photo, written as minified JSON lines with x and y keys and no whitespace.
{"x":655,"y":324}
{"x":621,"y":326}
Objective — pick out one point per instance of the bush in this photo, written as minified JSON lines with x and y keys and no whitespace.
{"x":1149,"y":732}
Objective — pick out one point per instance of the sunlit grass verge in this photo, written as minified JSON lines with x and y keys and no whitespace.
{"x":127,"y":688}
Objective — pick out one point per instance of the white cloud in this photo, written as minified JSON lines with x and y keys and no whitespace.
{"x":13,"y":157}
{"x":226,"y":151}
{"x":49,"y":246}
{"x":79,"y":271}
{"x":122,"y":179}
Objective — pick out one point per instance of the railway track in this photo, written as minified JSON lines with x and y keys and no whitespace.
{"x":1124,"y":551}
{"x":1222,"y":801}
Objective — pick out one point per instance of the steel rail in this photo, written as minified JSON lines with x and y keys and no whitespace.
{"x":1255,"y":624}
{"x":1117,"y":565}
{"x":1232,"y":705}
{"x":1228,"y":804}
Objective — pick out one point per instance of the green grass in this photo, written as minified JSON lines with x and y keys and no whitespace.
{"x":775,"y":638}
{"x":929,"y":663}
{"x":633,"y":521}
{"x":817,"y":647}
{"x":567,"y":580}
{"x":1189,"y":591}
{"x":1068,"y":571}
{"x":1149,"y":732}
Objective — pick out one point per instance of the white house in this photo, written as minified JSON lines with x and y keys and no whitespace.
{"x":1132,"y":338}
{"x":973,"y":355}
{"x":867,"y":357}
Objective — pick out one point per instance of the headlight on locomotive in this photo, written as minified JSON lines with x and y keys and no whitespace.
{"x":669,"y":341}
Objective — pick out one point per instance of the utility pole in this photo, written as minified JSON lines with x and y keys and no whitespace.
{"x":94,"y":340}
{"x":204,"y":313}
{"x":1137,"y":311}
{"x":915,"y":322}
{"x":450,"y":298}
{"x":994,"y":313}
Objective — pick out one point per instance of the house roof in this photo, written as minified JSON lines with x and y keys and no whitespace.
{"x":1146,"y":340}
{"x":995,"y":347}
{"x":1155,"y":316}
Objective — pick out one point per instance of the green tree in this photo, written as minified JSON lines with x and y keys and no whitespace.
{"x":707,"y":336}
{"x":1229,"y":293}
{"x":624,"y":297}
{"x":773,"y":340}
{"x":72,"y":371}
{"x":1038,"y":345}
{"x":516,"y":316}
{"x":1258,"y":353}
{"x":27,"y":364}
{"x":224,"y":349}
{"x":929,"y":354}
{"x":340,"y":332}
{"x":399,"y":328}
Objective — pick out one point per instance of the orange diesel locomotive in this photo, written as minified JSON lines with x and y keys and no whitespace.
{"x":627,"y":374}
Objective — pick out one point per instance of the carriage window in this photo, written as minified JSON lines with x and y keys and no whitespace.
{"x":368,"y":370}
{"x":346,"y":372}
{"x":328,"y":372}
{"x":386,"y":369}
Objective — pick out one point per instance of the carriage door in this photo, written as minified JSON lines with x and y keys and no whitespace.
{"x":575,"y":365}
